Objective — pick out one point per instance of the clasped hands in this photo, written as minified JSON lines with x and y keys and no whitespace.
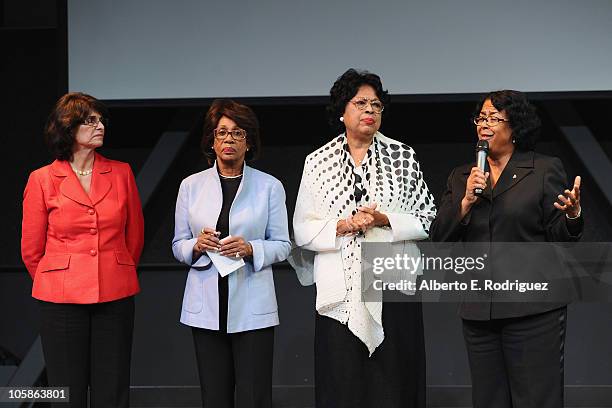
{"x":366,"y":217}
{"x":208,"y":240}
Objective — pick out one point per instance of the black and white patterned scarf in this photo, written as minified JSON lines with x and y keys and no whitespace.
{"x":393,"y":180}
{"x":333,"y":188}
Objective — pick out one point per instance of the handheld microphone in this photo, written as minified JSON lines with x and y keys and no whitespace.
{"x":482,"y":150}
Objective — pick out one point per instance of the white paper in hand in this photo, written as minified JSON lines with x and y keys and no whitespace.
{"x":225,"y":264}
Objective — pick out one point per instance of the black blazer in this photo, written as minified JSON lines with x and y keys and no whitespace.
{"x":519,"y":209}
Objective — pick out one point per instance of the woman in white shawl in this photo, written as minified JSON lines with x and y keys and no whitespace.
{"x":362,"y":186}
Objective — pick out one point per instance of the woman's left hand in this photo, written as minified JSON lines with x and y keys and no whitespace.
{"x":378,"y":219}
{"x":570,"y":202}
{"x":236,"y":247}
{"x":363,"y":221}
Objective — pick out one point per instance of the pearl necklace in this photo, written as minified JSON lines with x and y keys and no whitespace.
{"x":83,"y":172}
{"x":230,"y":177}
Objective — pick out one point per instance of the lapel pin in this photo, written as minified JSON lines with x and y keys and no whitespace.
{"x":514,"y":176}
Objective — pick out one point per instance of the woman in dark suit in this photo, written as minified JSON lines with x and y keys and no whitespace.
{"x":515,"y":350}
{"x":82,"y":235}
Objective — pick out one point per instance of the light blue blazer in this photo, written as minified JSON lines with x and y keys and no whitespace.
{"x":258,"y":214}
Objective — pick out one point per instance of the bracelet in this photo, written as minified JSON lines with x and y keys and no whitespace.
{"x":576,"y":217}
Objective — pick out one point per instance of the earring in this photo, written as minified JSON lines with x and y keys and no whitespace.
{"x":341,"y":118}
{"x":513,"y":141}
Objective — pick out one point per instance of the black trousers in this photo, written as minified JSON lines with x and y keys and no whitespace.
{"x":89,"y":346}
{"x":235,"y":368}
{"x":517,"y":362}
{"x":393,"y":377}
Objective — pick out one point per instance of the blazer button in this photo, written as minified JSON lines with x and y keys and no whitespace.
{"x":93,"y":252}
{"x":93,"y":231}
{"x":91,"y":211}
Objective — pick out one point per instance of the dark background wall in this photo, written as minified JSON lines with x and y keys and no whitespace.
{"x":34,"y":75}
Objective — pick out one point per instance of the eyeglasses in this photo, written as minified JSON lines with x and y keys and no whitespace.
{"x":362,"y":104}
{"x":236,"y":134}
{"x":490,"y":120}
{"x":93,"y":121}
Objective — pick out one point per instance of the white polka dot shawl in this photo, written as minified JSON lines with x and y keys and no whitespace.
{"x":332,"y":188}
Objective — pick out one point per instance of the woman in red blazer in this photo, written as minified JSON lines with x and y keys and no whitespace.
{"x":82,"y":236}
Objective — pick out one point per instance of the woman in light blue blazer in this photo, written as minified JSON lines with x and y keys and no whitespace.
{"x":230,"y":227}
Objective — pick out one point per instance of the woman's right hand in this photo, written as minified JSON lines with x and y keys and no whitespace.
{"x":477,"y":179}
{"x":346,"y":227}
{"x":208,"y":240}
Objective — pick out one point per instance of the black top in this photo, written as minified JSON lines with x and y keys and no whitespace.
{"x":229,"y":187}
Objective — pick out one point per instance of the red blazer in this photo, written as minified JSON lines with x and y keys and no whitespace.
{"x":82,"y":248}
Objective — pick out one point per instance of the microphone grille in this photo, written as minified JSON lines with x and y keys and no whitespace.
{"x":482,"y":145}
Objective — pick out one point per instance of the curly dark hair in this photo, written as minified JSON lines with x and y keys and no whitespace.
{"x":245,"y":119}
{"x":70,"y":112}
{"x":346,"y":87}
{"x":522,"y":116}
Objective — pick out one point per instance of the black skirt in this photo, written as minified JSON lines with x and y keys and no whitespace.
{"x":394,"y":376}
